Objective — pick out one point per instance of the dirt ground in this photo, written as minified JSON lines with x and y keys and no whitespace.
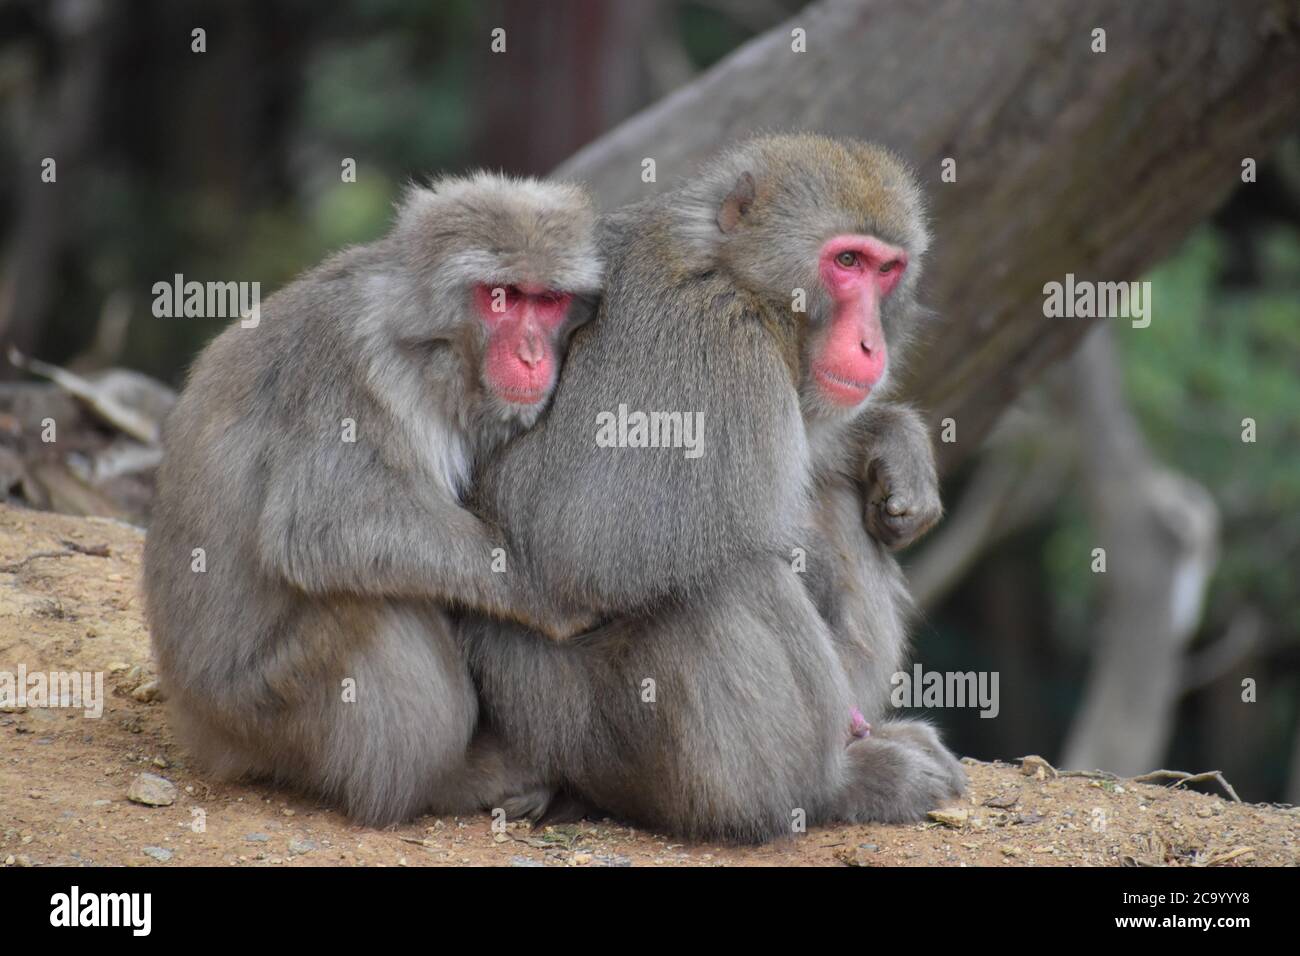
{"x":70,"y":600}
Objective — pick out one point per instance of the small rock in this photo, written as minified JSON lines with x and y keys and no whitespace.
{"x":288,"y":812}
{"x":257,"y":837}
{"x":514,"y":861}
{"x":950,"y":818}
{"x":148,"y":691}
{"x":158,"y":853}
{"x":1035,"y":766}
{"x":581,"y":859}
{"x":152,"y":790}
{"x":301,"y":846}
{"x":161,"y":762}
{"x":853,"y":857}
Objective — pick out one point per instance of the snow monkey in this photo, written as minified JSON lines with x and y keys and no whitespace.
{"x":740,"y":685}
{"x":309,"y":537}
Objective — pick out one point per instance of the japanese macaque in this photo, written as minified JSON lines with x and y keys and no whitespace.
{"x":740,"y":688}
{"x":309,"y":536}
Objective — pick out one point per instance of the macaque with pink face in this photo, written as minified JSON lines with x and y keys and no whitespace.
{"x":524,"y":323}
{"x":772,"y":293}
{"x":850,"y":356}
{"x":321,"y":462}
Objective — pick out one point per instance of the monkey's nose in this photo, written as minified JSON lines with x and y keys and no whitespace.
{"x":531,"y":351}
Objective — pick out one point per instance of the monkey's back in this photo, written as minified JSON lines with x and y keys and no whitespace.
{"x":214,"y":612}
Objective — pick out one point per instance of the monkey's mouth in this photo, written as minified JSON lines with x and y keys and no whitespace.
{"x":520,"y":396}
{"x":841,"y":390}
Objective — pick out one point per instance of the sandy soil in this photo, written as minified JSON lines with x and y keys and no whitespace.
{"x":70,"y":600}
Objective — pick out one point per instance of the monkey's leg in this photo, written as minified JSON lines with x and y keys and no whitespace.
{"x":386,"y":729}
{"x":382,"y":731}
{"x":898,"y":773}
{"x":490,"y":776}
{"x":757,"y":742}
{"x":722,"y":720}
{"x":719,"y":720}
{"x":861,"y":593}
{"x":900,"y":770}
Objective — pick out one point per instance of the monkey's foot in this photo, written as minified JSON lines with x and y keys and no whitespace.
{"x":858,"y":726}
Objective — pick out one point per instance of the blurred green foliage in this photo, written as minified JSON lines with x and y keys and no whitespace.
{"x":1216,"y":354}
{"x":1232,"y":354}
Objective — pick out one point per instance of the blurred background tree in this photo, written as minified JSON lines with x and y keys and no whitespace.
{"x":227,"y":164}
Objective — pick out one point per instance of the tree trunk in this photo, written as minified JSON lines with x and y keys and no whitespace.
{"x":547,"y":98}
{"x":1159,"y":531}
{"x":1067,"y":160}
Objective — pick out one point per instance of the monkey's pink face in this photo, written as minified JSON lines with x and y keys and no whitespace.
{"x":523,"y":324}
{"x":849,"y":358}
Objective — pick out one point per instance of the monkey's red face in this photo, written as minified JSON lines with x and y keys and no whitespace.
{"x":523,"y":325}
{"x":849,"y":358}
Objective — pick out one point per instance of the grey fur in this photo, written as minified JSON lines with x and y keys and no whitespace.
{"x":327,"y":560}
{"x":755,"y":668}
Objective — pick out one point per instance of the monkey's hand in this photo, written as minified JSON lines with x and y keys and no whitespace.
{"x":901,"y":484}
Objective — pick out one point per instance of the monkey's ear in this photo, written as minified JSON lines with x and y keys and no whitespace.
{"x":737,"y":203}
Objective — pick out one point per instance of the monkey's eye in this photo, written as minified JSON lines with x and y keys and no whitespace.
{"x":889,"y":267}
{"x":847,"y":259}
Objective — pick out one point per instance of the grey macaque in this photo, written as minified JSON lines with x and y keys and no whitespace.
{"x":309,"y":536}
{"x":734,"y":694}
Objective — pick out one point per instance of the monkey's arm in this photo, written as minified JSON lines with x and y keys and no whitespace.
{"x":895,"y":464}
{"x":319,"y":533}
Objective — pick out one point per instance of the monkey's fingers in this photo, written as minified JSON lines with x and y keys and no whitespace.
{"x":896,"y":520}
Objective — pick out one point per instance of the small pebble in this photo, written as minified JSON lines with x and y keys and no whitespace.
{"x":152,"y":791}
